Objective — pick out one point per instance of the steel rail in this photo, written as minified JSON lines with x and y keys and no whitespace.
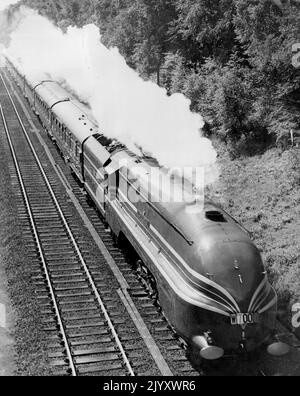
{"x":77,"y":249}
{"x":39,"y":246}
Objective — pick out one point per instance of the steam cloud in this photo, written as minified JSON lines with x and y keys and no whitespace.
{"x":5,"y":3}
{"x":136,"y":112}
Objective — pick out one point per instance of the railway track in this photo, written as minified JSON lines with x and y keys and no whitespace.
{"x":89,"y":321}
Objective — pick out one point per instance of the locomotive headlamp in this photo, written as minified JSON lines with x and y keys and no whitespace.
{"x":278,"y":348}
{"x":207,"y":350}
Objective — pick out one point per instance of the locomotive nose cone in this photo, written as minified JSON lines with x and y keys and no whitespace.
{"x":207,"y":351}
{"x":278,"y":349}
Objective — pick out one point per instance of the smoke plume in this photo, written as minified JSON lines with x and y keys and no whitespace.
{"x":138,"y":113}
{"x":5,"y":3}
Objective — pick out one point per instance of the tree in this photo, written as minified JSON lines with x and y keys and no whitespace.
{"x":156,"y":18}
{"x":204,"y":29}
{"x":268,"y":33}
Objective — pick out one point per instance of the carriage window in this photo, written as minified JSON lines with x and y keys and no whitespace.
{"x":76,"y":150}
{"x":69,"y":140}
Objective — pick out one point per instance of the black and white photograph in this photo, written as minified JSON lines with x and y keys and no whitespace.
{"x":149,"y":191}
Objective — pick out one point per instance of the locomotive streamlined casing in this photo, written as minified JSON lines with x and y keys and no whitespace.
{"x":206,"y":271}
{"x":206,"y":268}
{"x":148,"y":239}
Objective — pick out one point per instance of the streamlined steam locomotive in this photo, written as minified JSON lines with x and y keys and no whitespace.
{"x":202,"y":266}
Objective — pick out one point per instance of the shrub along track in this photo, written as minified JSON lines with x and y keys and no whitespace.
{"x":92,"y":323}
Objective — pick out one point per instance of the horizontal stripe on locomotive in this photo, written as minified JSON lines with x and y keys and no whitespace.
{"x":93,"y":196}
{"x":262,"y":297}
{"x":193,"y":276}
{"x":212,"y":285}
{"x":92,"y":169}
{"x":208,"y":292}
{"x":88,"y":169}
{"x":190,"y":295}
{"x":263,"y":292}
{"x":269,"y":305}
{"x":265,"y":298}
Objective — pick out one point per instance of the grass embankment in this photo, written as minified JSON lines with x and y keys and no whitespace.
{"x":29,"y":342}
{"x":263,"y":193}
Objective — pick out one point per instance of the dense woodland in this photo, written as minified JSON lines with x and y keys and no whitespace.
{"x":232,"y":58}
